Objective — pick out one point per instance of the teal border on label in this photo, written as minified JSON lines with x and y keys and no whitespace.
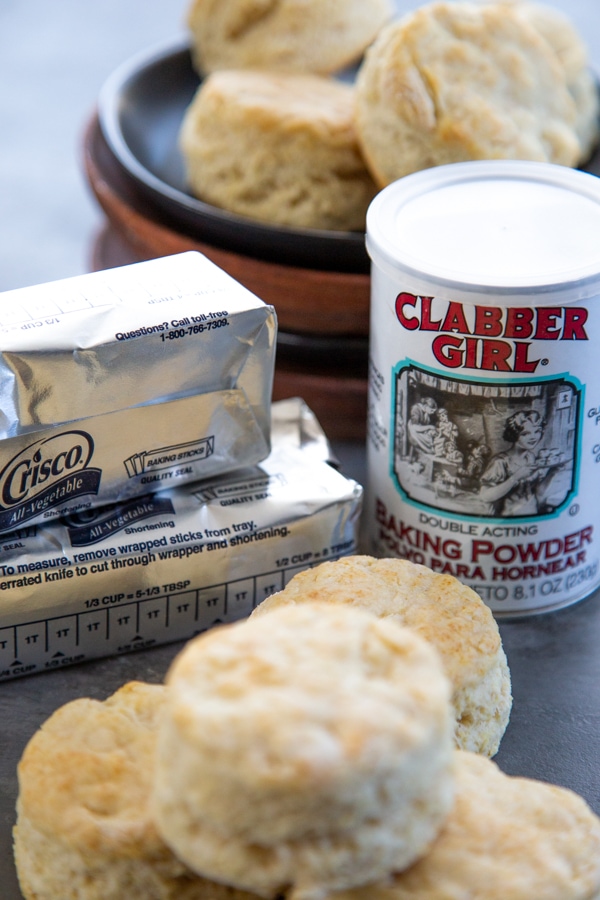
{"x":540,"y":517}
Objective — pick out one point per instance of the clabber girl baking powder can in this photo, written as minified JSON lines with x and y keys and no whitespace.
{"x":483,"y":454}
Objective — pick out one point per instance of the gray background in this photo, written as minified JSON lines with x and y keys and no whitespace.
{"x":54,"y":57}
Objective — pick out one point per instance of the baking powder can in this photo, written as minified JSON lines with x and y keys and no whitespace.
{"x":483,"y":456}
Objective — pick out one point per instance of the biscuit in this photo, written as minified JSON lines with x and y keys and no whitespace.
{"x":571,"y":51}
{"x":279,"y":148}
{"x":83,"y":826}
{"x":442,"y":610}
{"x":319,"y":36}
{"x":309,"y":750}
{"x":506,"y":837}
{"x":453,"y":82}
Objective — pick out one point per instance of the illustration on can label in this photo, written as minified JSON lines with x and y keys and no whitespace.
{"x":482,"y":471}
{"x":483,"y":448}
{"x":483,"y":455}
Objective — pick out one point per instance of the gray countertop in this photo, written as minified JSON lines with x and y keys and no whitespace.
{"x":53,"y":61}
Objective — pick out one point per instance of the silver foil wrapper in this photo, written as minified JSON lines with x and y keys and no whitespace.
{"x":117,"y":383}
{"x":163,"y":567}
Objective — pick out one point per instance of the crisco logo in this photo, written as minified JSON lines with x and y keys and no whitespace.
{"x":43,"y":464}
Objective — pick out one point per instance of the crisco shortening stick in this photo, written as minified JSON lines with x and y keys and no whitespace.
{"x":165,"y":566}
{"x":121,"y":382}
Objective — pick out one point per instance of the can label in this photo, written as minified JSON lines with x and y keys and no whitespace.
{"x":484,"y":442}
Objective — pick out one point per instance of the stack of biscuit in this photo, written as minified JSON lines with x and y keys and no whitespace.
{"x":442,"y":610}
{"x":461,"y":81}
{"x":84,"y":828}
{"x":317,"y":756}
{"x":278,"y":147}
{"x":320,"y":36}
{"x":275,"y":133}
{"x":269,"y":134}
{"x":307,"y":752}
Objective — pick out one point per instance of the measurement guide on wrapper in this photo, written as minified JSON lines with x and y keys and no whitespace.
{"x":164,"y":567}
{"x":125,"y":622}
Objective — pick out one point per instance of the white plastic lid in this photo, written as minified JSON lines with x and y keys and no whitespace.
{"x":509,"y":227}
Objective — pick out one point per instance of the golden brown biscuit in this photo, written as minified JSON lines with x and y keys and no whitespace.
{"x":461,"y":81}
{"x":571,"y":51}
{"x":279,"y":148}
{"x":445,"y":612}
{"x":309,"y":750}
{"x":295,"y":35}
{"x":83,"y":829}
{"x":505,"y":838}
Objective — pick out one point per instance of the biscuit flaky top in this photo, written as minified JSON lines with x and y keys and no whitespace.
{"x":442,"y":610}
{"x":304,"y":751}
{"x":506,"y":837}
{"x":317,"y":695}
{"x":295,"y":35}
{"x":323,"y":107}
{"x":85,"y":775}
{"x":557,"y":29}
{"x":84,"y":828}
{"x":277,"y":147}
{"x":461,"y":81}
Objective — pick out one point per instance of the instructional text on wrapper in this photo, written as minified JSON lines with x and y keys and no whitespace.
{"x":177,"y":545}
{"x":177,"y":328}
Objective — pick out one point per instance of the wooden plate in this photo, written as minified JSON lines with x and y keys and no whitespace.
{"x":141,"y":109}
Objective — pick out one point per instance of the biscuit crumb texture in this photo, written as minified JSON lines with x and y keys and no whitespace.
{"x":506,"y":837}
{"x":293,"y":35}
{"x":453,"y":82}
{"x":571,"y":51}
{"x":439,"y":608}
{"x":84,"y":830}
{"x":277,"y":148}
{"x":307,"y":751}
